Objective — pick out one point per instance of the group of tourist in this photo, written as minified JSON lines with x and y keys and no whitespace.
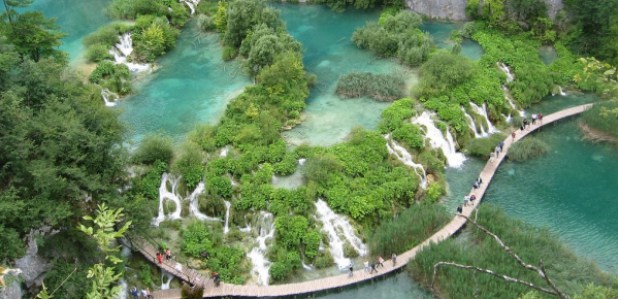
{"x":161,"y":254}
{"x":373,"y":267}
{"x":534,"y":117}
{"x":145,"y":293}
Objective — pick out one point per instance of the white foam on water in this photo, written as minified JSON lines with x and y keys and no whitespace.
{"x":482,"y":111}
{"x":257,"y":255}
{"x":166,"y":279}
{"x":472,"y":125}
{"x":226,"y":227}
{"x":437,"y":140}
{"x":192,"y":4}
{"x":122,"y":50}
{"x":336,"y":227}
{"x":109,"y":98}
{"x":406,"y":158}
{"x":507,"y":71}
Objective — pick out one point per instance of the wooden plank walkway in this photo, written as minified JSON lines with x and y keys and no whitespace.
{"x":359,"y":276}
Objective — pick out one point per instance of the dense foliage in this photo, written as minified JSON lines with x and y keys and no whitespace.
{"x":474,"y":247}
{"x":201,"y":242}
{"x":407,"y":229}
{"x":340,"y":5}
{"x":396,"y":35}
{"x":380,"y":87}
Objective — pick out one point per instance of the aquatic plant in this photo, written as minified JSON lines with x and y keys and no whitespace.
{"x":527,"y":148}
{"x":380,"y":87}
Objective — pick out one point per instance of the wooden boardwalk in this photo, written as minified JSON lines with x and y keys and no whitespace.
{"x":359,"y":276}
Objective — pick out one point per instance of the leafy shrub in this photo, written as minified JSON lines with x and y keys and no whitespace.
{"x":189,"y":165}
{"x":196,"y":239}
{"x":410,"y":136}
{"x":527,"y":148}
{"x":380,"y":87}
{"x":107,"y":35}
{"x":98,"y":52}
{"x":153,"y":37}
{"x":396,"y":35}
{"x":603,"y":117}
{"x":154,"y":148}
{"x":323,"y":260}
{"x":115,"y":77}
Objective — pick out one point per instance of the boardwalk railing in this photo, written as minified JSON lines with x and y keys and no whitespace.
{"x":343,"y":280}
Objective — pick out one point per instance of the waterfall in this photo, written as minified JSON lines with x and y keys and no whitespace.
{"x":561,"y":92}
{"x":194,"y":204}
{"x":224,"y":152}
{"x":334,"y":225}
{"x":124,"y":288}
{"x":107,"y":95}
{"x":483,"y":112}
{"x":257,"y":255}
{"x":302,"y":161}
{"x":437,"y":140}
{"x":226,"y":227}
{"x":307,"y":267}
{"x":406,"y":158}
{"x":165,"y":194}
{"x":165,"y":285}
{"x":507,"y":71}
{"x":472,"y":125}
{"x":191,"y":4}
{"x":122,"y":50}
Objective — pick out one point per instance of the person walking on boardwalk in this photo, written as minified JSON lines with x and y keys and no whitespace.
{"x":459,"y":211}
{"x":351,"y":269}
{"x":159,"y":258}
{"x":168,"y":254}
{"x":513,"y":135}
{"x":540,"y":118}
{"x":373,"y":269}
{"x":366,"y":266}
{"x":394,"y":259}
{"x":381,"y":261}
{"x":134,"y":293}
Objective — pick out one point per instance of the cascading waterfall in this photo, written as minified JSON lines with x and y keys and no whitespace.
{"x":406,"y":158}
{"x":335,"y":225}
{"x":224,"y":152}
{"x":472,"y":125}
{"x":507,"y":94}
{"x":194,"y":204}
{"x":257,"y":255}
{"x":437,"y":140}
{"x":108,"y":97}
{"x":166,"y":279}
{"x":561,"y":92}
{"x":226,"y":228}
{"x":191,"y":4}
{"x":507,"y":71}
{"x":122,"y":50}
{"x":483,"y":112}
{"x":165,"y":194}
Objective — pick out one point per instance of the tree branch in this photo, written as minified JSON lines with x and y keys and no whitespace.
{"x":541,"y":271}
{"x":492,"y":273}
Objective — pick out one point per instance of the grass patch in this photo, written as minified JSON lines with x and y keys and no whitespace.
{"x":380,"y":87}
{"x":527,"y":148}
{"x":407,"y":229}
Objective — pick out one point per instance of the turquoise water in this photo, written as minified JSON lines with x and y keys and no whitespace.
{"x":441,"y":34}
{"x":192,"y":86}
{"x":77,"y":18}
{"x":330,"y":53}
{"x":571,"y":190}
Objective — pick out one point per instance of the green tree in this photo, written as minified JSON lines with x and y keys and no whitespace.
{"x":35,"y":36}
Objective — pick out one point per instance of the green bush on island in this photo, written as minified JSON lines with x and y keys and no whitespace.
{"x":380,"y":87}
{"x":396,"y":36}
{"x":483,"y":147}
{"x":153,"y":37}
{"x":106,"y":35}
{"x":175,"y":11}
{"x":407,"y":229}
{"x":603,"y":117}
{"x":473,"y":247}
{"x":189,"y":165}
{"x":527,"y":148}
{"x":154,"y":148}
{"x":97,"y":53}
{"x":115,"y":77}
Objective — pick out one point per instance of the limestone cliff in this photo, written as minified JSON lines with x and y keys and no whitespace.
{"x":440,"y":9}
{"x":456,"y":9}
